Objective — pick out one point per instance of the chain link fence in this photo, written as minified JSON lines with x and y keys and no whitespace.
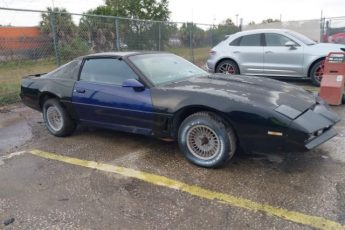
{"x":57,"y":38}
{"x":39,"y":41}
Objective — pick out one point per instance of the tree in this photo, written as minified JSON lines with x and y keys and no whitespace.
{"x":137,"y":34}
{"x":225,"y":28}
{"x":99,"y":32}
{"x":57,"y":23}
{"x":270,"y":20}
{"x":64,"y":26}
{"x":140,"y":9}
{"x":251,"y":23}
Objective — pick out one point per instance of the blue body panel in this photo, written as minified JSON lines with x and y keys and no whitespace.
{"x":113,"y":106}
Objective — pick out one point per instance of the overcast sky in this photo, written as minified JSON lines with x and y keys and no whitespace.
{"x":203,"y":11}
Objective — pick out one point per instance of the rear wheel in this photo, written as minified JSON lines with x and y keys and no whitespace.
{"x":57,"y":119}
{"x":316,"y":72}
{"x":206,"y":140}
{"x":227,"y":67}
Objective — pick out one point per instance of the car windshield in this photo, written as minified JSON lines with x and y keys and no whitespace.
{"x":164,"y":68}
{"x":301,"y":38}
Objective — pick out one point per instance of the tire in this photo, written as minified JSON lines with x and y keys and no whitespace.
{"x":218,"y":141}
{"x":57,"y":119}
{"x":228,"y":67}
{"x":343,"y":99}
{"x":316,"y":72}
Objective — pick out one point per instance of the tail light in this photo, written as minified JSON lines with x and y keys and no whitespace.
{"x":212,"y":52}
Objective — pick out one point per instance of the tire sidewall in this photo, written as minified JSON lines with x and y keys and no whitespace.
{"x":56,"y":104}
{"x":224,"y":151}
{"x":312,"y":71}
{"x":237,"y":70}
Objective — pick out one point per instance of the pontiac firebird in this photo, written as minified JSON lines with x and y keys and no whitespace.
{"x":163,"y":95}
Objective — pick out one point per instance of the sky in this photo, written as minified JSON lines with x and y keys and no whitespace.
{"x":201,"y":11}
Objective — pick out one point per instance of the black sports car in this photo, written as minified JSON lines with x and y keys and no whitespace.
{"x":161,"y":94}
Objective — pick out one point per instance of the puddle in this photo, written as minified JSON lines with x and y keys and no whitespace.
{"x":14,"y":131}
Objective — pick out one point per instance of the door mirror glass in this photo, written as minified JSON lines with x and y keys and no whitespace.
{"x":133,"y":83}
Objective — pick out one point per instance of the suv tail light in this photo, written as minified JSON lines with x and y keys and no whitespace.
{"x":212,"y":52}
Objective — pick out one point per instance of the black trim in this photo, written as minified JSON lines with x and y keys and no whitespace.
{"x":121,"y":58}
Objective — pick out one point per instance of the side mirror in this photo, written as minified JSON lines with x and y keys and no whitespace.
{"x":290,"y":44}
{"x":133,"y":83}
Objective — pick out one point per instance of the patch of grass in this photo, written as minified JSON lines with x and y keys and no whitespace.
{"x":12,"y":72}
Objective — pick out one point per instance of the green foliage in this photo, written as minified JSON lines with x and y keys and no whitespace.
{"x":74,"y":48}
{"x":187,"y":30}
{"x":225,"y":28}
{"x":270,"y":20}
{"x":133,"y":34}
{"x":64,"y":26}
{"x":66,"y":36}
{"x":140,"y":9}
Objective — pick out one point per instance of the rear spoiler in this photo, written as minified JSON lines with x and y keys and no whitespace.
{"x":34,"y":75}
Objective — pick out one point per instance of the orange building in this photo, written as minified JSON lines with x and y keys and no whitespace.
{"x":20,"y":38}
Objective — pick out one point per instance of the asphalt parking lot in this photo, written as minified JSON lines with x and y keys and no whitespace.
{"x":99,"y":179}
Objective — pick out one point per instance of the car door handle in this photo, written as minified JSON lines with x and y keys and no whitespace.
{"x":269,"y":52}
{"x":236,"y":52}
{"x":79,"y":90}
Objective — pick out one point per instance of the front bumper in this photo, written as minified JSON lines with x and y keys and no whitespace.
{"x":315,"y":126}
{"x":321,"y":139}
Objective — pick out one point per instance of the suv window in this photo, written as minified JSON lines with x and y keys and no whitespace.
{"x":251,"y":40}
{"x":106,"y":70}
{"x":273,"y":39}
{"x":235,"y":42}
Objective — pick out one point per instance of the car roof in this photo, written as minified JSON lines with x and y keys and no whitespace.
{"x":256,"y":31}
{"x":122,"y":54}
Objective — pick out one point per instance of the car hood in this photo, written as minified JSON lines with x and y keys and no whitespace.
{"x":325,"y":48}
{"x":256,"y":91}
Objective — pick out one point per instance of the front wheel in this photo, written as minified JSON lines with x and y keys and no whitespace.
{"x":57,"y":119}
{"x":316,"y":72}
{"x":206,"y":140}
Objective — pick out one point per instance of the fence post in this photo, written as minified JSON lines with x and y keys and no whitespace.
{"x":212,"y":28}
{"x":159,"y":36}
{"x":55,"y":38}
{"x":191,"y":41}
{"x":117,"y":31}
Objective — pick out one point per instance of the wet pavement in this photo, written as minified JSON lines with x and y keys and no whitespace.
{"x":46,"y":194}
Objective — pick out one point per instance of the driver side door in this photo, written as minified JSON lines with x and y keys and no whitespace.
{"x":281,"y":60}
{"x":100,"y":98}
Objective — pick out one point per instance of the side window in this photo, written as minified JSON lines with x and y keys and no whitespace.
{"x":67,"y":71}
{"x":251,"y":40}
{"x":273,"y":39}
{"x":106,"y":70}
{"x":235,"y":42}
